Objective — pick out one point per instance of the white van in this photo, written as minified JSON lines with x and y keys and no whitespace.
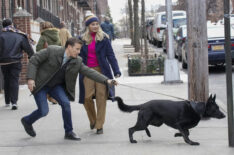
{"x":159,"y":25}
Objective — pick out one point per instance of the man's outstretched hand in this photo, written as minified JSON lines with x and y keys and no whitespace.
{"x":31,"y":84}
{"x":112,"y":82}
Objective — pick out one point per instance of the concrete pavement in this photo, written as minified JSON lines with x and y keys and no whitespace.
{"x":211,"y":134}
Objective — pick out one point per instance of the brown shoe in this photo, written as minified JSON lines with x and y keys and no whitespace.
{"x":92,"y":126}
{"x":100,"y":131}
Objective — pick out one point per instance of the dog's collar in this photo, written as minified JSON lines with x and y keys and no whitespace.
{"x":193,"y":104}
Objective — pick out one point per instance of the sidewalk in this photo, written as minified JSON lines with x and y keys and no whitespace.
{"x":212,"y":134}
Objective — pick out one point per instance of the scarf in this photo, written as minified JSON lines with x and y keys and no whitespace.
{"x":11,"y":28}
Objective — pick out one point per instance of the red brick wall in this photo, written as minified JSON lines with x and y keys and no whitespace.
{"x":23,"y":24}
{"x":7,"y":9}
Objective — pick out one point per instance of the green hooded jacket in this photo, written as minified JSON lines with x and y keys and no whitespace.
{"x":51,"y":36}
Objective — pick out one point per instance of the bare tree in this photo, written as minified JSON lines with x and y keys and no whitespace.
{"x":136,"y":26}
{"x":144,"y":52}
{"x":198,"y":81}
{"x":131,"y":21}
{"x":214,"y":9}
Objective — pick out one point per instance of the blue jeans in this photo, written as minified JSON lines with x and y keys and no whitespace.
{"x":58,"y":94}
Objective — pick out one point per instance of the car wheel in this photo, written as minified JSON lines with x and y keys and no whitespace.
{"x":180,"y":58}
{"x":184,"y":65}
{"x":159,"y":44}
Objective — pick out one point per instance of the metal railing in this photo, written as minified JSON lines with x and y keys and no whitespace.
{"x":48,"y":16}
{"x":83,"y":3}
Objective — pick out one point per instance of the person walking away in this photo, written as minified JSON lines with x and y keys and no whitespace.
{"x":12,"y":44}
{"x":49,"y":36}
{"x":108,"y":28}
{"x":54,"y":71}
{"x":97,"y":53}
{"x":64,"y":34}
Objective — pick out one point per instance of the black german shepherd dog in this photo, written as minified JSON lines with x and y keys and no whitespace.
{"x":181,"y":115}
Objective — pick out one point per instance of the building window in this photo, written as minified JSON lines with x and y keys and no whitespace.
{"x":28,"y":7}
{"x":3,"y":9}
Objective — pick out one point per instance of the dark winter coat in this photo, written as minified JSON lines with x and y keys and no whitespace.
{"x":106,"y":58}
{"x":44,"y":64}
{"x":108,"y":28}
{"x":12,"y":45}
{"x":51,"y":36}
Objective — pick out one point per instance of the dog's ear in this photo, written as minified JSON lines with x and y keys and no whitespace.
{"x":214,"y":97}
{"x":210,"y":98}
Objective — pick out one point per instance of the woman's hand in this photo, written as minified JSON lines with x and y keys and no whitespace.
{"x":117,"y":76}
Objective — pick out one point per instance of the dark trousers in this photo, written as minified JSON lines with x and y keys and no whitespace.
{"x":11,"y":74}
{"x":57,"y":93}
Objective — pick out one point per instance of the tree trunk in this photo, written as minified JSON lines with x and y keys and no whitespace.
{"x":131,"y":21}
{"x":136,"y":27}
{"x":145,"y":49}
{"x":197,"y":50}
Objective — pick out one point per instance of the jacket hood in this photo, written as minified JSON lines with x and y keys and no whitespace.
{"x":52,"y":33}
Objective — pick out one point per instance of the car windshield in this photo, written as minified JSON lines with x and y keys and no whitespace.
{"x":215,"y":32}
{"x":179,"y":22}
{"x":163,"y":19}
{"x":178,"y":14}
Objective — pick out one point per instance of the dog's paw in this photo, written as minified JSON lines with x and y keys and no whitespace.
{"x":133,"y":141}
{"x":195,"y":143}
{"x":147,"y":132}
{"x":178,"y":135}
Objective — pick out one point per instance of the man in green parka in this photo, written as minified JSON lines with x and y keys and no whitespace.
{"x":54,"y":71}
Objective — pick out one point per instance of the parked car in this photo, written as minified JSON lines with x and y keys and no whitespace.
{"x":149,"y":25}
{"x":179,"y":40}
{"x":159,"y":25}
{"x":216,"y":52}
{"x":177,"y":22}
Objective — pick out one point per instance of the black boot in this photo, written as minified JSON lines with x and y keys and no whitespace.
{"x":100,"y":131}
{"x":71,"y":136}
{"x":28,"y":128}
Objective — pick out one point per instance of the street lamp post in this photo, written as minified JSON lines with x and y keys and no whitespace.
{"x":228,"y":58}
{"x":171,"y":69}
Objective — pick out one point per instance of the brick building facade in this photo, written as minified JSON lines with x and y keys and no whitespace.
{"x":72,"y":12}
{"x":55,"y":11}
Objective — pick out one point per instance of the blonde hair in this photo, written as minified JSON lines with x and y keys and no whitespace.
{"x":46,"y":25}
{"x":99,"y":35}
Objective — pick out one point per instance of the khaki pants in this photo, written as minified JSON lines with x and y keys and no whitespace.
{"x":98,"y":90}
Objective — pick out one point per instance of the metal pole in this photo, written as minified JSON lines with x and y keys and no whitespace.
{"x":228,"y":56}
{"x":169,"y":30}
{"x":171,"y":69}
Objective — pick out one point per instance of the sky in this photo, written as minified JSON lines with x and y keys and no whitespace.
{"x":117,"y":5}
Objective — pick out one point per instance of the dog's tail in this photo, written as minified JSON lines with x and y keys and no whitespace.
{"x":124,"y":107}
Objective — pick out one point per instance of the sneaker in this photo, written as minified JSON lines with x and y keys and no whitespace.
{"x":72,"y":136}
{"x":100,"y":131}
{"x":7,"y":105}
{"x":14,"y":107}
{"x":28,"y":128}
